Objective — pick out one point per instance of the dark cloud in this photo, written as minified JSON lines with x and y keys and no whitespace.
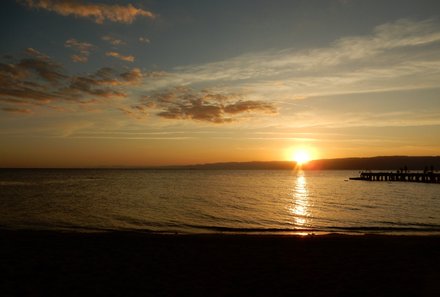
{"x":17,"y":110}
{"x":11,"y":71}
{"x":21,"y":91}
{"x":22,"y":80}
{"x":186,"y":104}
{"x":37,"y":80}
{"x":195,"y":109}
{"x":134,"y":75}
{"x":95,"y":87}
{"x":45,"y":69}
{"x":36,"y":66}
{"x":246,"y":106}
{"x":99,"y":12}
{"x":105,"y":73}
{"x":105,"y":82}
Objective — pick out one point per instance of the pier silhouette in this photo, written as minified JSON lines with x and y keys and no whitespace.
{"x":402,"y":176}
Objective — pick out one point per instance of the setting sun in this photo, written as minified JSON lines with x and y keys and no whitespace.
{"x":301,"y":157}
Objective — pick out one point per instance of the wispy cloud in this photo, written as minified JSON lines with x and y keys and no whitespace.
{"x":395,"y":56}
{"x":83,"y":49}
{"x":117,"y":55}
{"x":143,"y":39}
{"x":113,"y":40}
{"x":97,"y":11}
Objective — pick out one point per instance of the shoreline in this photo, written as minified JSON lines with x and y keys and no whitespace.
{"x":51,"y":263}
{"x":219,"y":231}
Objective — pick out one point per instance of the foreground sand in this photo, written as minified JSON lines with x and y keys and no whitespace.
{"x":37,"y":263}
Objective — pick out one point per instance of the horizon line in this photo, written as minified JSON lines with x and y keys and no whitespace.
{"x":177,"y":166}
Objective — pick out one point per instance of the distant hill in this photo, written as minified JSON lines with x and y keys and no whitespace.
{"x":372,"y":163}
{"x":376,"y":163}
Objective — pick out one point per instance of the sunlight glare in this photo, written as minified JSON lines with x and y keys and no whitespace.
{"x":301,"y":157}
{"x":300,"y":208}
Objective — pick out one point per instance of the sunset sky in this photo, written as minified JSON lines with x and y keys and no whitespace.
{"x":153,"y":82}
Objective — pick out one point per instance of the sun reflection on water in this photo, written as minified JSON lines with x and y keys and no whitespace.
{"x":300,"y":208}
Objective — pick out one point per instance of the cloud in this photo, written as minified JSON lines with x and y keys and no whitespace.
{"x":94,"y":87}
{"x":45,"y":69}
{"x":106,"y":82}
{"x":28,"y":79}
{"x":38,"y":80}
{"x":83,"y":48}
{"x":96,"y":11}
{"x":187,"y":104}
{"x":111,"y":77}
{"x":144,"y":40}
{"x":33,"y":52}
{"x":112,"y":40}
{"x":79,"y":58}
{"x":248,"y":106}
{"x":133,"y":75}
{"x":17,"y":110}
{"x":37,"y":65}
{"x":394,"y":56}
{"x":117,"y":55}
{"x":11,"y":71}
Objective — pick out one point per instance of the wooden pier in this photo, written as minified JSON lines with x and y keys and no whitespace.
{"x":418,"y":177}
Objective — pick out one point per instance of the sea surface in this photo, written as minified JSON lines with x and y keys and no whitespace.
{"x":213,"y":201}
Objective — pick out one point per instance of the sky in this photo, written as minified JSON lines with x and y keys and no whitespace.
{"x":153,"y":82}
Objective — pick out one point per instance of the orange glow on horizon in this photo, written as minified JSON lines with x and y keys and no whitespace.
{"x":301,"y":155}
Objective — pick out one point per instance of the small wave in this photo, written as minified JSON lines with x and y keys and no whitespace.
{"x":249,"y":230}
{"x":356,"y":229}
{"x":14,"y":183}
{"x":413,"y":225}
{"x":384,"y":230}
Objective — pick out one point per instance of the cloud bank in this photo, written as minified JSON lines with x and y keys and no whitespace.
{"x":36,"y":80}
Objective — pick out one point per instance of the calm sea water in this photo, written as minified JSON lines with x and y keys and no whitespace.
{"x":215,"y":201}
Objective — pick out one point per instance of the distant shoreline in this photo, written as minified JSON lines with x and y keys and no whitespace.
{"x":368,"y":163}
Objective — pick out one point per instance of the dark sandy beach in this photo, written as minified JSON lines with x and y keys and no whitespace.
{"x":43,"y":263}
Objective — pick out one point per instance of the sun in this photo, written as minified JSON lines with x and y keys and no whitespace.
{"x":301,"y":157}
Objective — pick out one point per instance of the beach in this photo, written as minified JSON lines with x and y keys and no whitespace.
{"x":54,"y":263}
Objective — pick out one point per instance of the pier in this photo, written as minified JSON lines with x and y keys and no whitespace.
{"x":418,"y":177}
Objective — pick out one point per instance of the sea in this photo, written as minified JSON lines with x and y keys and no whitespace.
{"x":214,"y":201}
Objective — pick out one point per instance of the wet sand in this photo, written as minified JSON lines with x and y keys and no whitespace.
{"x":43,"y":263}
